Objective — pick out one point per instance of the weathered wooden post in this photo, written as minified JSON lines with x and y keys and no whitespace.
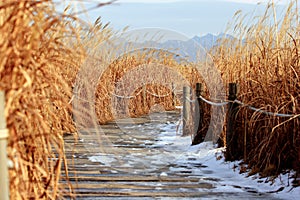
{"x":4,"y":183}
{"x":173,"y":95}
{"x":199,"y":116}
{"x":200,"y":103}
{"x":186,"y":111}
{"x":144,"y":97}
{"x":230,"y":130}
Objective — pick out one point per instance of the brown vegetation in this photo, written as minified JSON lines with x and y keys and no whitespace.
{"x":41,"y":53}
{"x":265,"y":62}
{"x":35,"y":58}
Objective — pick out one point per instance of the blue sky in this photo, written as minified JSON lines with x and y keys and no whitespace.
{"x":189,"y":17}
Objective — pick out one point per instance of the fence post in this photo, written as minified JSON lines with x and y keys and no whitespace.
{"x":230,"y":130}
{"x":186,"y":111}
{"x":4,"y":183}
{"x":199,"y":116}
{"x":200,"y":103}
{"x":144,"y":96}
{"x":173,"y":95}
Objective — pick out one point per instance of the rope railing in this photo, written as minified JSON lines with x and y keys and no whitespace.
{"x":122,"y":97}
{"x":190,"y":100}
{"x":79,"y":98}
{"x":147,"y":91}
{"x":263,"y":111}
{"x":213,"y":103}
{"x":127,"y":97}
{"x":157,"y":95}
{"x":245,"y":105}
{"x":178,"y":91}
{"x":220,"y":104}
{"x":195,"y":118}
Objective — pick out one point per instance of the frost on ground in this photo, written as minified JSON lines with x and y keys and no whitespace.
{"x":166,"y":153}
{"x":230,"y":178}
{"x":228,"y":174}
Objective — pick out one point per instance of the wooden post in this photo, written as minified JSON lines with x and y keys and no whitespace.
{"x":145,"y":97}
{"x":173,"y":95}
{"x":200,"y":103}
{"x":186,"y":111}
{"x":230,"y":131}
{"x":199,"y":116}
{"x":245,"y":136}
{"x":4,"y":183}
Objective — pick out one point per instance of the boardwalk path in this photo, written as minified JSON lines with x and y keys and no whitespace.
{"x":142,"y":160}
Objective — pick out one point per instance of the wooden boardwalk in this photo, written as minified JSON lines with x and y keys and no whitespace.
{"x":131,"y":165}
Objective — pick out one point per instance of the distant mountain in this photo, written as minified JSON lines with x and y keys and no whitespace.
{"x":190,"y":50}
{"x":197,"y":47}
{"x":210,"y":40}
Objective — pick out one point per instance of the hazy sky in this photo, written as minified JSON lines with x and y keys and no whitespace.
{"x":190,"y":17}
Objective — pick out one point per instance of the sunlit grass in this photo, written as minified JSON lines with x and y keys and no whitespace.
{"x":264,"y":61}
{"x":42,"y":52}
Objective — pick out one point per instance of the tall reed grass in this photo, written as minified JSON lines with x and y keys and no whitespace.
{"x":151,"y":87}
{"x":35,"y":60}
{"x":265,"y":62}
{"x":41,"y":52}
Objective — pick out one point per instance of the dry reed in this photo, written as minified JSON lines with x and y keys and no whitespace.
{"x":35,"y":60}
{"x":149,"y":87}
{"x":265,"y":62}
{"x":41,"y":53}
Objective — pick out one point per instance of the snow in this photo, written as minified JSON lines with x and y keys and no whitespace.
{"x":103,"y":158}
{"x":229,"y":178}
{"x":163,"y":174}
{"x":173,"y":153}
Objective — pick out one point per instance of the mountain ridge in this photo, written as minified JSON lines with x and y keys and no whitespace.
{"x":192,"y":50}
{"x":191,"y":47}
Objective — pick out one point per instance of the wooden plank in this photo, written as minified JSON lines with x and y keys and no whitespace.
{"x":134,"y":178}
{"x":143,"y":185}
{"x":94,"y":179}
{"x":148,"y":194}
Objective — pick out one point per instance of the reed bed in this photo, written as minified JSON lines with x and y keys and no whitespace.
{"x":265,"y":62}
{"x":136,"y":76}
{"x":41,"y":53}
{"x":35,"y":61}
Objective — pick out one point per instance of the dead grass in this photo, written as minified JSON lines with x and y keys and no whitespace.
{"x":41,"y":53}
{"x":35,"y":59}
{"x":265,"y":62}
